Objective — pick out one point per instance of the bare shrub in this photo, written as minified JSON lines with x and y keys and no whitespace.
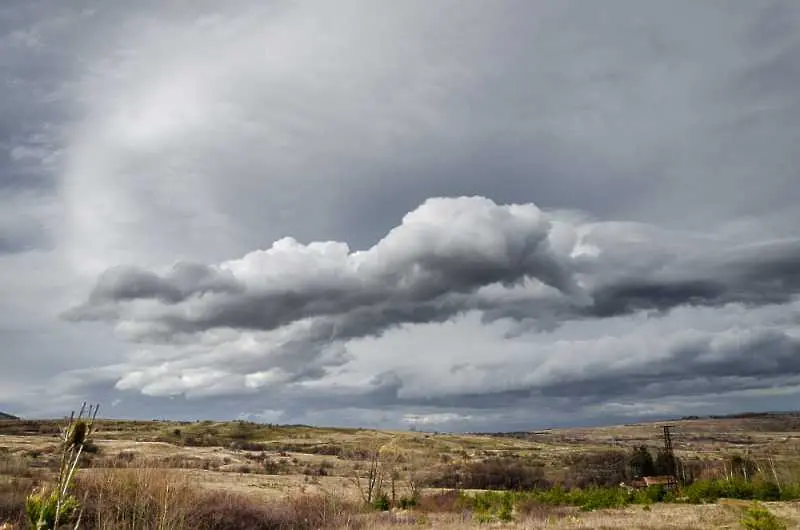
{"x":370,"y":483}
{"x":244,"y":445}
{"x":597,"y":469}
{"x":446,"y":501}
{"x":493,"y":474}
{"x":505,"y":474}
{"x":125,"y":457}
{"x":225,"y":511}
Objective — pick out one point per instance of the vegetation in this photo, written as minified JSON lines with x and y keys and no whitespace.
{"x":54,"y":505}
{"x":219,"y":476}
{"x":760,"y":518}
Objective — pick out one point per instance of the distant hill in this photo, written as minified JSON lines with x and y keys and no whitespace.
{"x":4,"y":416}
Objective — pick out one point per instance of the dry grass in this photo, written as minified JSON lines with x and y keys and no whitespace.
{"x":135,"y":498}
{"x":230,"y":476}
{"x":660,"y":517}
{"x":160,"y":499}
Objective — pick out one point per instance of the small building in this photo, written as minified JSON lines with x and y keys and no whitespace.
{"x":668,"y":481}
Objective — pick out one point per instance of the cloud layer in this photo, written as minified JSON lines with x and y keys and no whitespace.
{"x":449,"y":214}
{"x":288,"y":313}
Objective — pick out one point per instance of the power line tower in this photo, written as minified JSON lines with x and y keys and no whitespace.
{"x":668,"y":441}
{"x":670,"y":454}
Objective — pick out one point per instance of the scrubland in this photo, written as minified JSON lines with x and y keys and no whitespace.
{"x":734,"y":472}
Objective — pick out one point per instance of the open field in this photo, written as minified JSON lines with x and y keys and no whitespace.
{"x":274,"y":465}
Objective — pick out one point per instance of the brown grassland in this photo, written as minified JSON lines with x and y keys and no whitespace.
{"x":236,"y":475}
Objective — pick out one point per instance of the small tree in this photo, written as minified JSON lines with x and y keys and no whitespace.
{"x":759,"y":518}
{"x":370,"y":486}
{"x":742,"y":467}
{"x":641,"y":462}
{"x":665,"y":463}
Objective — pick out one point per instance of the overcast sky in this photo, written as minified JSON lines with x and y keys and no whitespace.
{"x":460,"y":215}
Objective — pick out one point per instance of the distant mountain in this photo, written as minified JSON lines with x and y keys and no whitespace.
{"x":4,"y":416}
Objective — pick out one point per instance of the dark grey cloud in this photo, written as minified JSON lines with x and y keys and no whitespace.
{"x":697,"y":367}
{"x":183,"y":281}
{"x":761,"y":274}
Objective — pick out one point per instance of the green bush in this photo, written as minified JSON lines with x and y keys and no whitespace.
{"x":382,"y":503}
{"x":499,"y":505}
{"x":41,"y":509}
{"x":767,"y":491}
{"x":491,"y":506}
{"x":600,"y":498}
{"x":710,"y":490}
{"x":790,"y":492}
{"x":408,"y":502}
{"x":759,"y":518}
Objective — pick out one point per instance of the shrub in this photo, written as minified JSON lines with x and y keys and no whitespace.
{"x":790,"y":492}
{"x":532,"y":508}
{"x":491,"y":506}
{"x":407,"y":503}
{"x":742,"y":466}
{"x":49,"y":510}
{"x":641,"y":462}
{"x":598,"y":498}
{"x":446,"y":501}
{"x":759,"y":518}
{"x":382,"y":503}
{"x":665,"y":463}
{"x":607,"y":468}
{"x":244,"y":445}
{"x":766,"y":491}
{"x":125,"y":457}
{"x":55,"y":505}
{"x":738,"y":488}
{"x":504,"y":474}
{"x":449,"y":477}
{"x":654,"y":493}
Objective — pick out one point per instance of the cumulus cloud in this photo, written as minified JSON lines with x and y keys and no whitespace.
{"x":288,"y":313}
{"x":443,"y":259}
{"x":445,"y":247}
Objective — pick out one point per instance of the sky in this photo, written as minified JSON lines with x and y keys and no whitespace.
{"x":449,"y":215}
